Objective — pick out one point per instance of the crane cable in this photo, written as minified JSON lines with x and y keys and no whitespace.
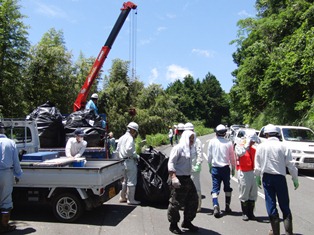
{"x":132,"y":44}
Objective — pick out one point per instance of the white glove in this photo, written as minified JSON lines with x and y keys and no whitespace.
{"x":175,"y":182}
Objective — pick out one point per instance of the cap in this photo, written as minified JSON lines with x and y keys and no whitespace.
{"x":181,"y":127}
{"x":270,"y":128}
{"x":133,"y":125}
{"x":251,"y":135}
{"x":188,"y":126}
{"x":94,"y":96}
{"x":221,"y":129}
{"x":79,"y":132}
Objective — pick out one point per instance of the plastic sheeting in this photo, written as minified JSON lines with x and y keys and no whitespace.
{"x":152,"y":178}
{"x":49,"y":124}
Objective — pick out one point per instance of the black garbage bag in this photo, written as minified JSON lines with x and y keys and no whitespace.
{"x":152,"y":177}
{"x":90,"y":123}
{"x":49,"y":124}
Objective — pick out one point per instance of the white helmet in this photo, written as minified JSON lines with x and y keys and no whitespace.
{"x":221,"y":129}
{"x":180,"y":127}
{"x":188,"y":126}
{"x":133,"y":125}
{"x":270,"y":128}
{"x":94,"y":96}
{"x":251,"y":135}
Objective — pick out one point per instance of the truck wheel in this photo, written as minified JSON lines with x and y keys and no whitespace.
{"x":67,"y":207}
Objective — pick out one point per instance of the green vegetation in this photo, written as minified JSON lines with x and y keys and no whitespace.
{"x":273,"y":82}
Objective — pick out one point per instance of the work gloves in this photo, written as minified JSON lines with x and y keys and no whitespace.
{"x":232,"y":171}
{"x":175,"y":182}
{"x":258,"y":181}
{"x":296,"y":184}
{"x":210,"y":167}
{"x":197,"y":167}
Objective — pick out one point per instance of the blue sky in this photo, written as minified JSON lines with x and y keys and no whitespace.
{"x":173,"y":37}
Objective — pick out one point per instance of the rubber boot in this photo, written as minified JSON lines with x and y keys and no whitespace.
{"x":228,"y":201}
{"x":244,"y":207}
{"x":274,"y":221}
{"x":251,"y":206}
{"x":5,"y":226}
{"x":123,"y":193}
{"x":288,"y":224}
{"x":130,"y":195}
{"x":189,"y":225}
{"x":174,"y":228}
{"x":199,"y":208}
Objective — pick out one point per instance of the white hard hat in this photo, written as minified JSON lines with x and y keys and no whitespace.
{"x":270,"y":128}
{"x":133,"y":125}
{"x":188,"y":126}
{"x":221,"y":129}
{"x":181,"y":127}
{"x":94,"y":96}
{"x":251,"y":135}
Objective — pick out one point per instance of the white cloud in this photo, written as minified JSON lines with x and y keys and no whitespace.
{"x":175,"y":72}
{"x":171,"y":16}
{"x":51,"y":11}
{"x":153,"y":75}
{"x":244,"y":14}
{"x":204,"y":53}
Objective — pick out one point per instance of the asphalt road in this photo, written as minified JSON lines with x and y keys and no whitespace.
{"x":116,"y":218}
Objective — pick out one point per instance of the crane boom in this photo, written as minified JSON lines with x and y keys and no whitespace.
{"x":80,"y":101}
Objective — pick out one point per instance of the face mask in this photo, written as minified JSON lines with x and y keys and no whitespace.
{"x":80,"y":139}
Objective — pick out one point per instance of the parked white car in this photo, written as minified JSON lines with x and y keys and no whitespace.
{"x":300,"y":140}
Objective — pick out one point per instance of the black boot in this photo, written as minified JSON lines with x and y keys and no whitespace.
{"x":251,"y":206}
{"x":5,"y":226}
{"x":174,"y":228}
{"x":274,"y":221}
{"x":288,"y":224}
{"x":189,"y":225}
{"x":244,"y":207}
{"x":228,"y":201}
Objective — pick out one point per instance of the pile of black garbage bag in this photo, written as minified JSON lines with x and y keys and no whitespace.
{"x":152,"y":186}
{"x":54,"y":129}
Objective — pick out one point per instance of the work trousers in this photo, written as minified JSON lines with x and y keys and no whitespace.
{"x":221,"y":174}
{"x":6,"y":188}
{"x":186,"y":197}
{"x":247,"y":186}
{"x":130,"y":172}
{"x":276,"y":186}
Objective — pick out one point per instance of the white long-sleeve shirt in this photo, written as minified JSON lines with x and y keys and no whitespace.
{"x":74,"y":148}
{"x":220,"y":152}
{"x":273,"y":157}
{"x":197,"y":156}
{"x":126,"y":147}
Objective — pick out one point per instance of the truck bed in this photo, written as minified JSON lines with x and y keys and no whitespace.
{"x":96,"y":173}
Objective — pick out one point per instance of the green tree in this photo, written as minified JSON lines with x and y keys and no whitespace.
{"x":274,"y":78}
{"x":13,"y":54}
{"x":50,"y":73}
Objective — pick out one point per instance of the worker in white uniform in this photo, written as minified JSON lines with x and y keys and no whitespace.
{"x":197,"y":159}
{"x":220,"y":159}
{"x":272,"y":158}
{"x":126,"y":151}
{"x":76,"y":146}
{"x":9,"y":168}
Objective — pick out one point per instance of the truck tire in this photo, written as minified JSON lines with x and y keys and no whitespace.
{"x":67,"y":207}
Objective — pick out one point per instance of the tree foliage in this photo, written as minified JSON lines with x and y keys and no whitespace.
{"x":50,"y":73}
{"x":274,"y":80}
{"x":13,"y":54}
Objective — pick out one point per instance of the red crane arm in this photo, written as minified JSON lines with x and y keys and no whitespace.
{"x":80,"y":101}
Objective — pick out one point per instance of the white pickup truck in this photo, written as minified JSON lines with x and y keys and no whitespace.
{"x":300,"y":140}
{"x":70,"y":190}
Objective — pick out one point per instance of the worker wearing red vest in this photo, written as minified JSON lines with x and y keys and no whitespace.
{"x":245,"y":153}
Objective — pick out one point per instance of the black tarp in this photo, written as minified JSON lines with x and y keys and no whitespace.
{"x":49,"y":124}
{"x":152,"y":177}
{"x":89,"y":123}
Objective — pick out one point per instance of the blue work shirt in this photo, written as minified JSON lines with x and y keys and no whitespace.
{"x":91,"y":105}
{"x":9,"y":156}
